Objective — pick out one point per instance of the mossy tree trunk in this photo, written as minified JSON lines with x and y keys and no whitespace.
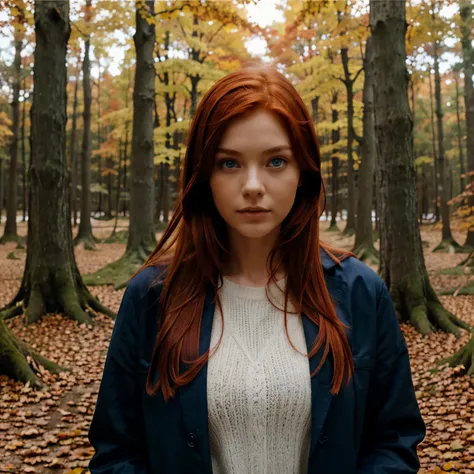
{"x":465,"y":7}
{"x":51,"y":281}
{"x":447,"y":240}
{"x":402,"y":262}
{"x":73,"y":149}
{"x":141,"y":235}
{"x":364,"y":243}
{"x":142,"y":196}
{"x":10,"y":231}
{"x":84,"y":234}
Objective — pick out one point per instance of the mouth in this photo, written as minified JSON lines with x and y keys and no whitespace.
{"x":253,"y":211}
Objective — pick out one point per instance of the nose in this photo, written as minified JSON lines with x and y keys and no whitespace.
{"x":253,"y":184}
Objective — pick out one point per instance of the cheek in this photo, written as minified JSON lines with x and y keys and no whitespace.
{"x":221,"y":193}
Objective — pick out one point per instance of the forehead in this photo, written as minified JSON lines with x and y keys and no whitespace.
{"x":259,"y":130}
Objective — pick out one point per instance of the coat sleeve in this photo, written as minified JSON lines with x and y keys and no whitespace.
{"x":393,"y":426}
{"x":116,"y":431}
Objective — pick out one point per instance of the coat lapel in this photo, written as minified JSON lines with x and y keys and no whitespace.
{"x":193,"y":396}
{"x":321,"y":397}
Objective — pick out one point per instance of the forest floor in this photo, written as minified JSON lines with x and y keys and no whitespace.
{"x":46,"y":431}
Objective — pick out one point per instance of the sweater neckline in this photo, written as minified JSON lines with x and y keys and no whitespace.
{"x":275,"y":290}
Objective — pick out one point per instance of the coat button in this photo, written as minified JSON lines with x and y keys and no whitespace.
{"x":191,"y":440}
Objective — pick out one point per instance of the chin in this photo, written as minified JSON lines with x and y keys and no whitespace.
{"x":255,"y":231}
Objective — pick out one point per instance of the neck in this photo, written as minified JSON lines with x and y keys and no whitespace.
{"x":248,"y":262}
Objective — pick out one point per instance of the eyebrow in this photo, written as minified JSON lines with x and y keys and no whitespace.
{"x":274,"y":149}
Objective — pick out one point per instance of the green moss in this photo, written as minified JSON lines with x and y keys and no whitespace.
{"x":117,"y":273}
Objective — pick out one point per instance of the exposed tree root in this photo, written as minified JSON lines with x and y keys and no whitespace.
{"x":120,"y":237}
{"x":12,"y":238}
{"x":367,"y":254}
{"x":417,"y":303}
{"x":468,"y":262}
{"x":19,"y":362}
{"x":118,"y":273}
{"x":464,"y":357}
{"x":88,"y":241}
{"x":449,"y":245}
{"x":12,"y":312}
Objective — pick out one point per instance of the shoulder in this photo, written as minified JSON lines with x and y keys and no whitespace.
{"x":361,"y":279}
{"x":147,"y":278}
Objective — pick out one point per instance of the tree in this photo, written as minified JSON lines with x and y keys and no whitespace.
{"x":402,"y":264}
{"x":10,"y":232}
{"x":447,"y":240}
{"x":141,"y":236}
{"x":84,"y":234}
{"x":51,"y":280}
{"x":364,"y":243}
{"x":465,"y":7}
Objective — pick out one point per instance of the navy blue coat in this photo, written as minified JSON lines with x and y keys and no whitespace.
{"x":373,"y":426}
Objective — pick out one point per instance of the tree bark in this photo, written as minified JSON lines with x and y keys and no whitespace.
{"x":435,"y":155}
{"x":23,"y":154}
{"x":447,"y":240}
{"x":460,"y":146}
{"x":364,"y":243}
{"x":467,"y":53}
{"x":10,"y":231}
{"x":141,"y":235}
{"x":335,"y":137}
{"x":51,"y":281}
{"x":142,"y":197}
{"x":350,"y":224}
{"x":73,"y":149}
{"x":402,"y":261}
{"x":84,"y":234}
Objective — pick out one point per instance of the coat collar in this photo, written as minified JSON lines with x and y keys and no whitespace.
{"x":193,"y":396}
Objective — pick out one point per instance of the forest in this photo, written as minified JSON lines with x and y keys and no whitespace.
{"x":96,"y":99}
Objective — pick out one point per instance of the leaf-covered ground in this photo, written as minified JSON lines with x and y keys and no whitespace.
{"x":46,"y":431}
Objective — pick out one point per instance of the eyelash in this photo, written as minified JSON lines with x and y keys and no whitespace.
{"x":225,"y":160}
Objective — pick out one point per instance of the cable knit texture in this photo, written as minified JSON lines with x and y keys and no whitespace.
{"x":258,"y":386}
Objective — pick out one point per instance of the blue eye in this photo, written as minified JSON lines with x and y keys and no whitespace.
{"x":228,"y":164}
{"x":278,"y":162}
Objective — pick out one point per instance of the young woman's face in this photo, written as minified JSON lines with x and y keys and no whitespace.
{"x":254,"y":167}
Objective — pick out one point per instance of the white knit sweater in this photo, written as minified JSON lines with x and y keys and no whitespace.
{"x":258,"y":386}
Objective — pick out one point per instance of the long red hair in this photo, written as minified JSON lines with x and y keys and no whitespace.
{"x":194,"y":246}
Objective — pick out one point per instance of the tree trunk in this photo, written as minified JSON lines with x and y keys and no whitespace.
{"x":435,"y":155}
{"x":23,"y":154}
{"x":142,"y":198}
{"x":99,"y":142}
{"x":51,"y":281}
{"x":141,"y":235}
{"x":467,"y":53}
{"x":447,"y":241}
{"x":84,"y":234}
{"x":335,"y":137}
{"x":315,"y":109}
{"x":73,"y":149}
{"x":364,"y":243}
{"x":402,"y":261}
{"x":195,"y":78}
{"x":10,"y":231}
{"x":460,"y":146}
{"x":350,"y":224}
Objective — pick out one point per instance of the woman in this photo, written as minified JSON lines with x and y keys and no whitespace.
{"x":244,"y":344}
